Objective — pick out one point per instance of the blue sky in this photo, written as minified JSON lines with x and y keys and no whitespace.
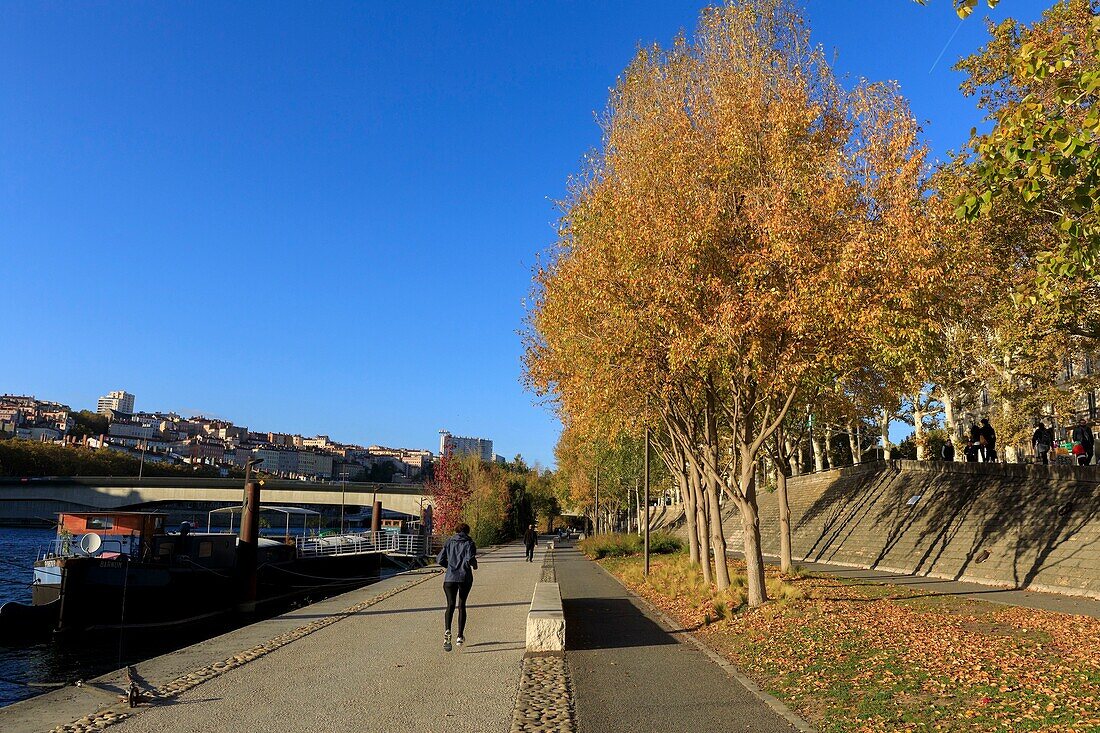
{"x":322,"y":217}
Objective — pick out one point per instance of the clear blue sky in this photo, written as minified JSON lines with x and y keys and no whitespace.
{"x":321,"y":217}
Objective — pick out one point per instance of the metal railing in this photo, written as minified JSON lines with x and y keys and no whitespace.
{"x":357,"y":543}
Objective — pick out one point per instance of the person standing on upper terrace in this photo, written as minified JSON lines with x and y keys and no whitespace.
{"x":1082,"y":435}
{"x":459,"y":556}
{"x":530,"y":539}
{"x":989,"y":441}
{"x":1043,"y":440}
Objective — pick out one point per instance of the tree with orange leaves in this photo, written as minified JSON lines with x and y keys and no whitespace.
{"x":748,"y":227}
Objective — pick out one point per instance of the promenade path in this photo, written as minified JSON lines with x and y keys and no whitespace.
{"x":630,"y":674}
{"x":372,"y":660}
{"x":380,"y":669}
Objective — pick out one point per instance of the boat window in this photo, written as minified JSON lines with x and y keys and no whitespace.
{"x":206,"y":549}
{"x":100,"y":522}
{"x":165,"y":549}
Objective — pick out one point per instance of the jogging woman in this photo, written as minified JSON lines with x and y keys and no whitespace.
{"x":459,"y":556}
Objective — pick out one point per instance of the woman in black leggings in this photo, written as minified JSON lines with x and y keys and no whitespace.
{"x":459,"y":557}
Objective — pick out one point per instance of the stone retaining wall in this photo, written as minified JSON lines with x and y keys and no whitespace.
{"x":1025,"y":526}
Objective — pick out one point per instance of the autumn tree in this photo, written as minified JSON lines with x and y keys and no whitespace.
{"x":1040,"y":86}
{"x":747,"y":226}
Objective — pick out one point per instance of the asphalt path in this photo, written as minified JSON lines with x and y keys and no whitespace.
{"x":630,"y":674}
{"x":383,"y":669}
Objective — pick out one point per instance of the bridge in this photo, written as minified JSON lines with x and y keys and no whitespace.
{"x":30,"y":501}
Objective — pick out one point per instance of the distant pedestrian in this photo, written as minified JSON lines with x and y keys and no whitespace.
{"x":975,"y":434}
{"x":971,"y":452}
{"x":1042,"y":440}
{"x":989,"y":441}
{"x":459,"y":557}
{"x":530,"y":539}
{"x":948,"y":451}
{"x":1082,"y":435}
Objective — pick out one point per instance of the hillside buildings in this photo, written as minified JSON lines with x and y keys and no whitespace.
{"x":166,"y":437}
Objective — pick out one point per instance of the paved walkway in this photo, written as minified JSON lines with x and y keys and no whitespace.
{"x":629,"y":674}
{"x":383,"y":669}
{"x":1081,"y":605}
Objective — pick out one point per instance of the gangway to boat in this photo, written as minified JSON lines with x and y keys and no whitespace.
{"x":357,"y":543}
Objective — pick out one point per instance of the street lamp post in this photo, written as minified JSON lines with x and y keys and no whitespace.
{"x":645,"y":535}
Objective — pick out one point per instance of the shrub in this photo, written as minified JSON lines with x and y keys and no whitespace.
{"x":622,"y":545}
{"x":664,"y":543}
{"x":610,"y":545}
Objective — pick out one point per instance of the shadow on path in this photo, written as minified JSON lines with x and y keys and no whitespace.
{"x":630,"y":674}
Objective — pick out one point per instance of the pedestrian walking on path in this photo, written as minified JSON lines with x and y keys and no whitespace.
{"x":459,"y":557}
{"x":530,"y":539}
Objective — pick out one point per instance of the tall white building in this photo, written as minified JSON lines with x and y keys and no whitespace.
{"x":120,"y":401}
{"x":453,"y":445}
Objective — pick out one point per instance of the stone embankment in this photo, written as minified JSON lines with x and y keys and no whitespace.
{"x":1024,"y":526}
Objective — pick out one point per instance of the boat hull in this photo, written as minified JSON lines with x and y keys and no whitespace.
{"x":97,"y":594}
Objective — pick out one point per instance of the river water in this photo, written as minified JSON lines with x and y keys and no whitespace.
{"x":33,"y":667}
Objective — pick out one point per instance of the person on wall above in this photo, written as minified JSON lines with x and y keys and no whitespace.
{"x":1042,"y":440}
{"x":989,"y":441}
{"x":1082,"y":435}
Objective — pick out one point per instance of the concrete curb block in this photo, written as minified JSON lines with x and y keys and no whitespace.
{"x":673,"y":628}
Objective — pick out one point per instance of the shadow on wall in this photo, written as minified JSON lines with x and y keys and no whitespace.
{"x":1014,"y":524}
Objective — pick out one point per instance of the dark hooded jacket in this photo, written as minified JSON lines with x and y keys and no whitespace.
{"x":459,"y":556}
{"x":1083,"y":434}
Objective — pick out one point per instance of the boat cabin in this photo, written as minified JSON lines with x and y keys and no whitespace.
{"x":107,"y":534}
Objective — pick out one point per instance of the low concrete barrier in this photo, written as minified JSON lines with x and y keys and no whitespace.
{"x":546,"y":620}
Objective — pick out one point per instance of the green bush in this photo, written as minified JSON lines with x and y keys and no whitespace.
{"x":663,"y":543}
{"x":622,"y":545}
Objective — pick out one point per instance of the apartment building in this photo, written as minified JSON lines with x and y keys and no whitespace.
{"x":119,"y":401}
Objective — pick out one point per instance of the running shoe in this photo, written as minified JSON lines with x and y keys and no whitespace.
{"x":447,"y":641}
{"x":460,"y":641}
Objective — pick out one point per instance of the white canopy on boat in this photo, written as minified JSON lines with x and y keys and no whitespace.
{"x":288,"y":511}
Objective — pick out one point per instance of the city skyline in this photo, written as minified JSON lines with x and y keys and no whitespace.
{"x":325,"y":220}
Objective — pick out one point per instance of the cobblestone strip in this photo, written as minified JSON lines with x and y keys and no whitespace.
{"x":117,"y":713}
{"x":545,"y":700}
{"x":549,"y":575}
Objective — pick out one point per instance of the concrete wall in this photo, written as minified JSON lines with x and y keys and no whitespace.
{"x":1026,"y":526}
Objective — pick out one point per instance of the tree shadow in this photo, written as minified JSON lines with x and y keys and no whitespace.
{"x":609,"y":623}
{"x":949,"y":519}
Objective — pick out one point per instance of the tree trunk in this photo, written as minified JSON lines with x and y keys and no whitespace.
{"x":884,"y":426}
{"x":918,"y":428}
{"x":853,"y":444}
{"x":784,"y":521}
{"x":949,"y":423}
{"x":717,"y":536}
{"x":819,"y":454}
{"x":793,"y":452}
{"x":689,"y":519}
{"x":750,"y":526}
{"x":701,"y":527}
{"x":754,"y":563}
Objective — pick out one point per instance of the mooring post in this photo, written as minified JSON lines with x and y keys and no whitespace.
{"x":247,"y":547}
{"x":376,"y":519}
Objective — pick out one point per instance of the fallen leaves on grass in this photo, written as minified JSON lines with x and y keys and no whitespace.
{"x":859,"y":656}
